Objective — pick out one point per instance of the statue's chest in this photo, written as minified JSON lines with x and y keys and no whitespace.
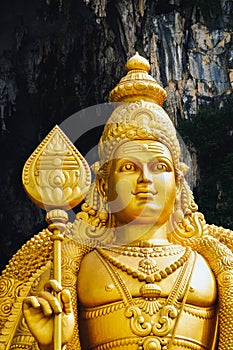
{"x":120,"y":307}
{"x":105,"y":279}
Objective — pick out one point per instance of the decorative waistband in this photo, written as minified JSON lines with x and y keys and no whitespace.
{"x":136,"y":329}
{"x":204,"y":313}
{"x":151,"y":343}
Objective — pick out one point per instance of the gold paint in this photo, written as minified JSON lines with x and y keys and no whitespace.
{"x":138,"y":83}
{"x":109,"y":287}
{"x":56,"y":175}
{"x":119,"y":298}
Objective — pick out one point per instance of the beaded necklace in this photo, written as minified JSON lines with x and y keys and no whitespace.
{"x":147,"y":277}
{"x":157,"y":251}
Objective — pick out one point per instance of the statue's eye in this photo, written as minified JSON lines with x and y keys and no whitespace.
{"x":127,"y":167}
{"x":159,"y":167}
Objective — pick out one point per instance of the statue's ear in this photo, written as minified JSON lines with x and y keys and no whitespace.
{"x":179,"y":184}
{"x":102,"y":187}
{"x":180,"y":178}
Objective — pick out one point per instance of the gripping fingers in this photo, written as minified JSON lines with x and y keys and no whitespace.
{"x":31,"y":302}
{"x":49,"y":303}
{"x":37,"y":303}
{"x":52,"y":286}
{"x":66,"y":300}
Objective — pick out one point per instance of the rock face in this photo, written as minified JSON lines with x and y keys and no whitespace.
{"x":195,"y":66}
{"x":59,"y":56}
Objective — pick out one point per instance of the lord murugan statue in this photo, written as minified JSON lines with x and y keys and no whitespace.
{"x":139,"y":268}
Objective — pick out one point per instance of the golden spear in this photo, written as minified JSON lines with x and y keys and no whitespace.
{"x":56,"y":177}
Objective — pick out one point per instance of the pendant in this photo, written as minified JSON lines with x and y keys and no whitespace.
{"x":150,"y":292}
{"x":148,"y":266}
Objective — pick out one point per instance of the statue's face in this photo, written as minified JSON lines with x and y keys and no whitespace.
{"x":141,"y":184}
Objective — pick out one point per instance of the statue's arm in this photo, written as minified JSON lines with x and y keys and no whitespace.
{"x":21,"y":277}
{"x":25,"y":275}
{"x":225,"y":236}
{"x":220,"y":259}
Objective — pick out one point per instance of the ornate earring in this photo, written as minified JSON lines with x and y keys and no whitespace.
{"x":178,"y":215}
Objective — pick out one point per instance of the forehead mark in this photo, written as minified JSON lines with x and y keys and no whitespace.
{"x":143,"y":147}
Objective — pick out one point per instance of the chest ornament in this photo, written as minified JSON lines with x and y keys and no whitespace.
{"x":151,"y":318}
{"x":148,"y":269}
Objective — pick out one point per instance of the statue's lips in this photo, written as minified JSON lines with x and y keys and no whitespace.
{"x":145,"y":193}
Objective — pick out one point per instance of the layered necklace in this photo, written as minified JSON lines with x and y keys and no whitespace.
{"x":154,"y":330}
{"x":148,"y":270}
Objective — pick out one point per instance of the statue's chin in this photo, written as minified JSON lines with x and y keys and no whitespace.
{"x":142,"y":209}
{"x":147,"y":216}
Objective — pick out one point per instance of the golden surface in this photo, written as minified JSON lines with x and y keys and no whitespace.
{"x":138,"y":84}
{"x":56,"y":175}
{"x":143,"y":269}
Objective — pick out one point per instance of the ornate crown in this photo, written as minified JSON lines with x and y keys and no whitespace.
{"x":138,"y":84}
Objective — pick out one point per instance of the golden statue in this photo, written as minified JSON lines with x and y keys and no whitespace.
{"x":139,"y":268}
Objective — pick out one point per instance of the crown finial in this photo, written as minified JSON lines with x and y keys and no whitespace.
{"x":138,"y":84}
{"x":137,"y":62}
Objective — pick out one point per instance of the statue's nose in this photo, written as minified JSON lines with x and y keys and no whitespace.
{"x":145,"y":175}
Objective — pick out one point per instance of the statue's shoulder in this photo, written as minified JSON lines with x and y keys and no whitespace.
{"x":24,"y":274}
{"x":225,"y":236}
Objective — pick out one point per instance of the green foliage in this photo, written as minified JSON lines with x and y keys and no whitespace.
{"x":210,"y":132}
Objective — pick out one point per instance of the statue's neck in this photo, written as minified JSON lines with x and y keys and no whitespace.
{"x":135,"y":234}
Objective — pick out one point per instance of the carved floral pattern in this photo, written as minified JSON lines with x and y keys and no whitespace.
{"x":56,"y":174}
{"x":160,"y":325}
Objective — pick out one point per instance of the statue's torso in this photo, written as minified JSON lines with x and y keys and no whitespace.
{"x":113,"y":316}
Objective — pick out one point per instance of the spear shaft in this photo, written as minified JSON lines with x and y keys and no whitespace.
{"x":56,"y":220}
{"x":57,"y":336}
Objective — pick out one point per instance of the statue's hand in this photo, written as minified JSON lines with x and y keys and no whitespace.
{"x":39,"y":311}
